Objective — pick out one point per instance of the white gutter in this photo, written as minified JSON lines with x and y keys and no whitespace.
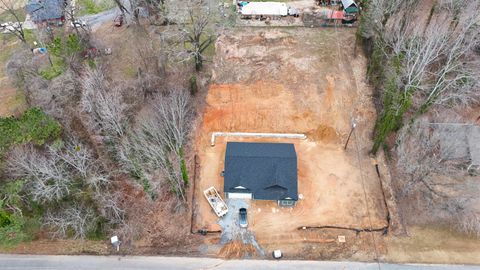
{"x":256,"y":135}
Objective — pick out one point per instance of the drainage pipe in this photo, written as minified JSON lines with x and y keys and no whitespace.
{"x":256,"y":135}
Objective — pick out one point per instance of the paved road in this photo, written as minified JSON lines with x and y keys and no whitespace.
{"x":17,"y":262}
{"x":96,"y":20}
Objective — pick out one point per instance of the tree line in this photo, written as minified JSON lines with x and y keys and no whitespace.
{"x":424,"y":66}
{"x":88,"y":137}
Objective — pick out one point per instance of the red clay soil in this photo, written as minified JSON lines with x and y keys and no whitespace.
{"x":282,"y":81}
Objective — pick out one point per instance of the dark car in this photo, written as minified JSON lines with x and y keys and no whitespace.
{"x":243,"y":222}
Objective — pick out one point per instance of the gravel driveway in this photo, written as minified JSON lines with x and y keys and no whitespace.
{"x":230,"y":225}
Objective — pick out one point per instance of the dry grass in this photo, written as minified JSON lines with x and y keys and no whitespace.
{"x":434,"y":245}
{"x":62,"y":247}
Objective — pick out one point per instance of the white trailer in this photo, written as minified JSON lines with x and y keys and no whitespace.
{"x":216,"y":202}
{"x":267,"y":9}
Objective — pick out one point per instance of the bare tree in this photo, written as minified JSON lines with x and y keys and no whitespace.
{"x":434,"y":175}
{"x":82,"y":30}
{"x":111,"y":206}
{"x":159,"y":10}
{"x":378,"y":13}
{"x":104,"y":105}
{"x":152,"y":70}
{"x":195,"y":33}
{"x":158,"y":142}
{"x":47,"y":179}
{"x":423,"y":67}
{"x":20,"y":66}
{"x":78,"y":217}
{"x":434,"y":63}
{"x":456,"y":80}
{"x":419,"y":156}
{"x":468,"y":218}
{"x":16,"y":27}
{"x":80,"y":161}
{"x":155,"y":5}
{"x":51,"y":174}
{"x":57,"y":97}
{"x":174,"y":114}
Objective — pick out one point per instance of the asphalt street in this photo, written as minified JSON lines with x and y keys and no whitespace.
{"x":17,"y":262}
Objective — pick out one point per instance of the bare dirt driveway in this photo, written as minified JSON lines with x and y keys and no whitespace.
{"x":298,"y":80}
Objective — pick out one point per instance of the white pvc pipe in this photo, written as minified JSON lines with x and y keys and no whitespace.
{"x":257,"y":135}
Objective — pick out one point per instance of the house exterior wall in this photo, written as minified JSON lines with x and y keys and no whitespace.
{"x":239,"y":195}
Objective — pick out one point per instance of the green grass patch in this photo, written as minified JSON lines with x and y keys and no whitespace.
{"x":33,"y":126}
{"x":59,"y":50}
{"x":8,"y":17}
{"x":90,"y":7}
{"x":51,"y":72}
{"x":12,"y":230}
{"x":129,"y":71}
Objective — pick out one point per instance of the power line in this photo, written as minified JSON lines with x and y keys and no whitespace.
{"x":375,"y":249}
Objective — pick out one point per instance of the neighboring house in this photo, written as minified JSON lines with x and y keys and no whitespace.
{"x":459,"y":141}
{"x":46,"y":11}
{"x":261,"y":171}
{"x":349,"y":6}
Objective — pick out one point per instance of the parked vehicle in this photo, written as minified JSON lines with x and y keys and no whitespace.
{"x":265,"y":9}
{"x":216,"y":202}
{"x":10,"y":27}
{"x":243,"y":221}
{"x":293,"y":12}
{"x":78,"y":23}
{"x":118,"y":20}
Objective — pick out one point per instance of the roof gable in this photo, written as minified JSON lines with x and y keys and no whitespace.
{"x":276,"y":187}
{"x":348,"y":3}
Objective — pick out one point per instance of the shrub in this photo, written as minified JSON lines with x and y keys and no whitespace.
{"x":33,"y":126}
{"x":11,"y":228}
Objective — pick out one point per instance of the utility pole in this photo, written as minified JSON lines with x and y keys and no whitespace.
{"x":350,"y":135}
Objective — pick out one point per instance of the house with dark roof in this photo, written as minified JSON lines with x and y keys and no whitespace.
{"x":349,"y":6}
{"x":46,"y":11}
{"x":261,"y":171}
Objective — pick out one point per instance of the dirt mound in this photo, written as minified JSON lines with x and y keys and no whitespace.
{"x":237,"y":250}
{"x":324,"y":134}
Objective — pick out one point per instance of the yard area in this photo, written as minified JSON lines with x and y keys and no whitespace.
{"x":297,"y":81}
{"x":12,"y":100}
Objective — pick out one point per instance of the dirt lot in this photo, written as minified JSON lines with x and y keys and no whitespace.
{"x":297,"y":80}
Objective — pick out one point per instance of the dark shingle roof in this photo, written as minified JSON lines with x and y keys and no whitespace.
{"x":268,"y":170}
{"x":43,"y":10}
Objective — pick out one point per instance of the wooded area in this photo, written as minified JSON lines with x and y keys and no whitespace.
{"x":424,"y":63}
{"x":72,"y":164}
